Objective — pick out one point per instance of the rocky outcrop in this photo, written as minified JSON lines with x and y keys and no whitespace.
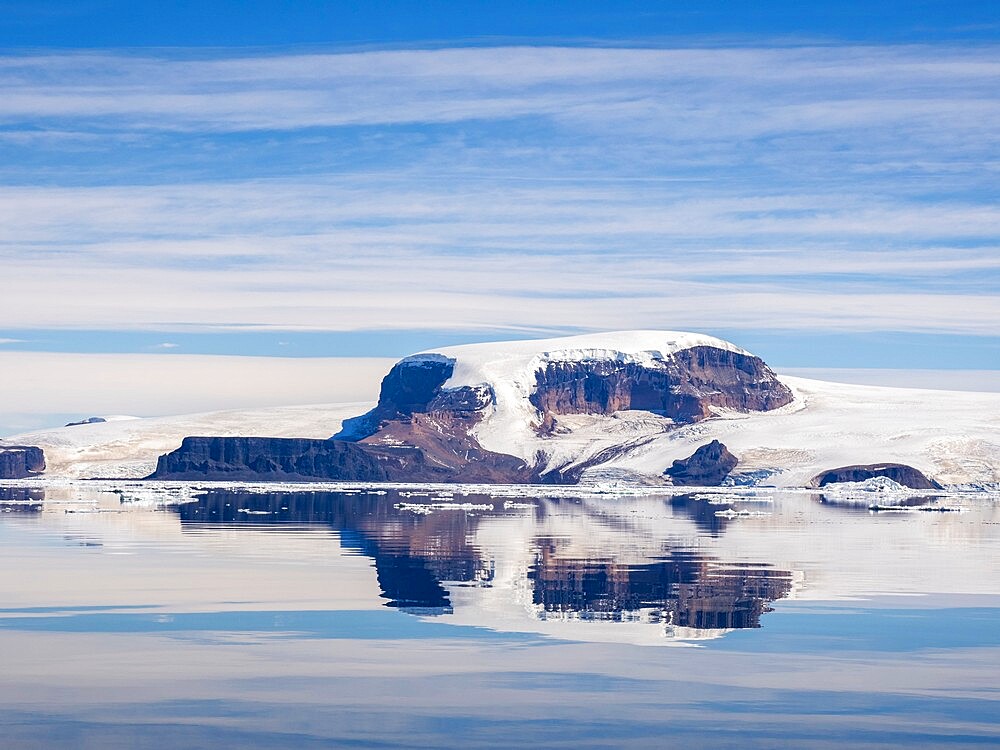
{"x":684,"y":386}
{"x":88,"y":420}
{"x":417,"y":416}
{"x":301,"y":459}
{"x":706,"y":467}
{"x":21,"y":461}
{"x":414,"y":386}
{"x":899,"y":473}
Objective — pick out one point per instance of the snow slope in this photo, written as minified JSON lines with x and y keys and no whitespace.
{"x":130,"y":447}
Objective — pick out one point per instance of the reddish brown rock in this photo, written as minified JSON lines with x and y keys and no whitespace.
{"x":706,"y":467}
{"x":684,"y":386}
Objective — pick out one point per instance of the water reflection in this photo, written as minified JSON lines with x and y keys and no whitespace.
{"x":426,"y":548}
{"x":21,"y":499}
{"x":684,"y":590}
{"x":877,"y":504}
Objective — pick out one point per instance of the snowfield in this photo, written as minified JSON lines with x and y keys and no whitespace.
{"x":129,"y":447}
{"x":951,"y":436}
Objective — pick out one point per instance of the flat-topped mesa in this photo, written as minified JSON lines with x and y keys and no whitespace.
{"x":310,"y":460}
{"x":683,"y":376}
{"x":479,"y":412}
{"x":482,"y":402}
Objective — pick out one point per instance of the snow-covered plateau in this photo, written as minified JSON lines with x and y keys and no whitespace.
{"x":610,"y":409}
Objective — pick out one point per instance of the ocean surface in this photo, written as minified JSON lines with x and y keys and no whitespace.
{"x":432,"y":618}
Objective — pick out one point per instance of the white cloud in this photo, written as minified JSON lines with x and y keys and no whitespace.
{"x":813,"y":87}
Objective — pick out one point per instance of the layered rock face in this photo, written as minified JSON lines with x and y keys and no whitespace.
{"x":706,"y":467}
{"x":301,"y":459}
{"x":248,"y":458}
{"x":899,"y":473}
{"x":414,"y":386}
{"x":684,"y":386}
{"x":21,"y":461}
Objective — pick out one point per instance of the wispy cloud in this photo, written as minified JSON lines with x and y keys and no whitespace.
{"x":847,"y":188}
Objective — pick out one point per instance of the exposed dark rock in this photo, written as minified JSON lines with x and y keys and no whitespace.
{"x":417,"y":432}
{"x":683,"y":386}
{"x":706,"y":467}
{"x":410,"y":387}
{"x":899,"y":473}
{"x":270,"y":458}
{"x":302,"y":459}
{"x":447,"y":450}
{"x":415,"y":417}
{"x":88,"y":420}
{"x":20,"y":461}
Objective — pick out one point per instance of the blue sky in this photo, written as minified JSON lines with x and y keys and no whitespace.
{"x":127,"y":23}
{"x":814,"y":181}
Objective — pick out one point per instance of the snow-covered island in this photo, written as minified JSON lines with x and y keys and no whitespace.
{"x":650,"y":408}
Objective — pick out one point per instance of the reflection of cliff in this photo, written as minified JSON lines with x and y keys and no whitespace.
{"x":417,"y":555}
{"x":413,"y":554}
{"x":684,"y":589}
{"x":21,"y":499}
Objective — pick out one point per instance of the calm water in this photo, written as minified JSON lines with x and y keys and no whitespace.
{"x":426,"y":619}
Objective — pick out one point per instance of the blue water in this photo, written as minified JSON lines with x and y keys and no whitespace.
{"x":289,"y":620}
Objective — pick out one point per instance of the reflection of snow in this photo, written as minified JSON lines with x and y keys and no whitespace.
{"x":426,"y":508}
{"x":731,"y":513}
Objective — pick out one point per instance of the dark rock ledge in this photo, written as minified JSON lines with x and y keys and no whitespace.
{"x":899,"y":473}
